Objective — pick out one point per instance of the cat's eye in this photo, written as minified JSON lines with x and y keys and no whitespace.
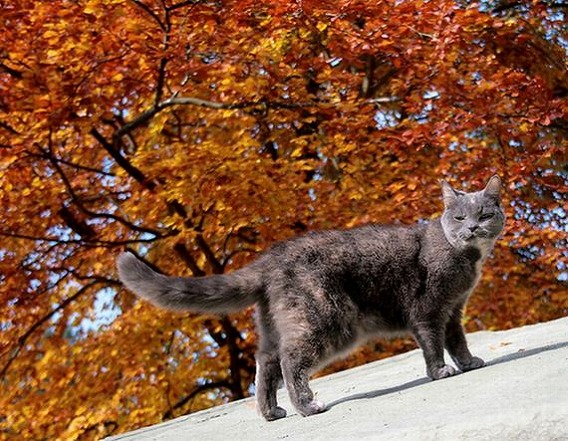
{"x":459,"y":218}
{"x":486,"y":216}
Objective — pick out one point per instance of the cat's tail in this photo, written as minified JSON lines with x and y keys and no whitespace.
{"x":221,"y":293}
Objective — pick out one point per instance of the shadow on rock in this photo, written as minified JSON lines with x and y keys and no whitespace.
{"x":380,"y":392}
{"x":521,"y":353}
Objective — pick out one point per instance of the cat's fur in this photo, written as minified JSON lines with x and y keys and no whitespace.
{"x":321,"y":294}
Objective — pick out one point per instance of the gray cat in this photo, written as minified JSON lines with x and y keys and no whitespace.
{"x":318,"y":296}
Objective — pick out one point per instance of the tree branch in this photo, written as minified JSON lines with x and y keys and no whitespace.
{"x":45,"y":155}
{"x":140,"y":120}
{"x":9,"y":128}
{"x":49,"y":155}
{"x":188,"y":259}
{"x":161,"y":79}
{"x":24,"y":337}
{"x":229,"y":256}
{"x":13,"y":72}
{"x":504,"y":6}
{"x":233,"y":335}
{"x":144,"y":117}
{"x":216,"y":265}
{"x":93,"y":242}
{"x":182,"y":4}
{"x":110,"y":427}
{"x":143,"y":259}
{"x":164,"y":60}
{"x":221,"y":384}
{"x":122,"y":161}
{"x":149,"y":11}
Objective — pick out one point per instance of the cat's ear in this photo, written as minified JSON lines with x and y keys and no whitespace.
{"x":449,"y":195}
{"x":493,"y":188}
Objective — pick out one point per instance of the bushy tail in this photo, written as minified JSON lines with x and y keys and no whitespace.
{"x":218,"y":294}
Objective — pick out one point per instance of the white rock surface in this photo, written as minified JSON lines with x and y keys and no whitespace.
{"x":522,"y":394}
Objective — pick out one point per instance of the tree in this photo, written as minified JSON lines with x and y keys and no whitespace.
{"x":196,"y":133}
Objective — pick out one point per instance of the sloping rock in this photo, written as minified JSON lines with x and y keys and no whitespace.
{"x":522,"y":394}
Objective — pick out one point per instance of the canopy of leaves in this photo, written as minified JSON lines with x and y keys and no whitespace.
{"x":196,"y":133}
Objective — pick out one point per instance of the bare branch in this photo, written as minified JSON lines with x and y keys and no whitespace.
{"x":24,"y":337}
{"x":98,"y":279}
{"x":15,"y":73}
{"x":122,"y":161}
{"x":176,"y":101}
{"x":182,"y":4}
{"x":88,"y":243}
{"x":507,"y":5}
{"x":9,"y":128}
{"x":233,"y":335}
{"x":140,"y":120}
{"x":209,"y":254}
{"x":188,"y":259}
{"x":109,"y":426}
{"x":52,"y":157}
{"x":242,"y":105}
{"x":221,"y":384}
{"x":77,"y":201}
{"x":164,"y":60}
{"x":146,"y":116}
{"x":161,"y":79}
{"x":151,"y":13}
{"x":147,"y":262}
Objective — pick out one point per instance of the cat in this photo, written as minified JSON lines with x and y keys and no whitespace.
{"x":319,"y":295}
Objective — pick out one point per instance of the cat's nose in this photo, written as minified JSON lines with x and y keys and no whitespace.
{"x":473,"y":228}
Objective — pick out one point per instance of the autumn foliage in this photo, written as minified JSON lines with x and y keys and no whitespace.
{"x":196,"y":133}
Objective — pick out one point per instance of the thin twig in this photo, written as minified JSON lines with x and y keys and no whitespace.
{"x":151,"y":13}
{"x":182,"y":4}
{"x":133,"y":171}
{"x":24,"y":337}
{"x":94,"y":242}
{"x":77,"y":201}
{"x":222,"y":384}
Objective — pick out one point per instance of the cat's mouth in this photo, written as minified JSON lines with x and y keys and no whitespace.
{"x":474,"y":236}
{"x":470,"y":237}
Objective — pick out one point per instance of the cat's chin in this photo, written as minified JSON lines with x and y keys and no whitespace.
{"x":460,"y":244}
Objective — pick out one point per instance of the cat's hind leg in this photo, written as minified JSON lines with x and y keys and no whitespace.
{"x":302,"y":347}
{"x":268,"y":370}
{"x":296,"y":367}
{"x":268,"y":378}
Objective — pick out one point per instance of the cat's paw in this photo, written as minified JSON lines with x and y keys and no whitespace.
{"x":474,"y":363}
{"x":312,"y":408}
{"x":442,"y":372}
{"x":275,"y":413}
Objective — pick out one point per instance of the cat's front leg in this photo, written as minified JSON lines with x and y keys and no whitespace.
{"x":430,"y":338}
{"x":268,"y":376}
{"x":457,"y":345}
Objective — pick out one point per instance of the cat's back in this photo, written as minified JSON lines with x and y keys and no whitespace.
{"x":357,"y":246}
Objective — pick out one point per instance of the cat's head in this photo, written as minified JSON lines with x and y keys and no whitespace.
{"x":473,"y":219}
